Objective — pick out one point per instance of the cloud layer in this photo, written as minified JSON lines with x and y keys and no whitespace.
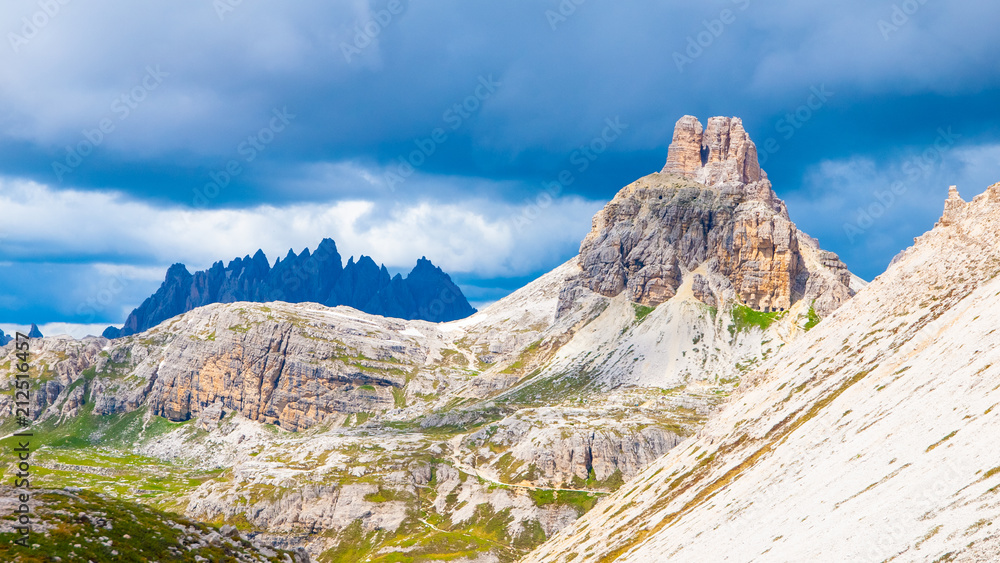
{"x":133,"y":135}
{"x":100,"y":253}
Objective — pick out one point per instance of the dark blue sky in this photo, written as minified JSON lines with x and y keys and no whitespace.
{"x":117,"y":118}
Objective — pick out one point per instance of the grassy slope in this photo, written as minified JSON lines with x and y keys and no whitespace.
{"x":84,"y":526}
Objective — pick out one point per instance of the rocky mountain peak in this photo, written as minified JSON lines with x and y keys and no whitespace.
{"x":953,"y":206}
{"x":969,"y":214}
{"x":711,"y":211}
{"x":720,"y":153}
{"x":305,"y":277}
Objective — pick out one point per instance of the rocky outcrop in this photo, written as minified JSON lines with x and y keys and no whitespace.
{"x":4,"y":339}
{"x":710,"y":206}
{"x":702,"y":290}
{"x":266,"y":364}
{"x":56,"y":363}
{"x":722,"y":154}
{"x":427,"y":293}
{"x":33,"y":332}
{"x":552,"y":453}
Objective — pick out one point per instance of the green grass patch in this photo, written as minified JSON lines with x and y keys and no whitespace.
{"x":812,"y":319}
{"x":399,"y":397}
{"x":523,"y":358}
{"x":941,"y":441}
{"x":746,"y":319}
{"x":85,"y":526}
{"x":641,"y":311}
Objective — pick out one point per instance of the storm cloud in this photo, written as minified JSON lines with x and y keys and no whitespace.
{"x":393,"y":125}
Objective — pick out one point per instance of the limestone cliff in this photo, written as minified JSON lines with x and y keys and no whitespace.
{"x":712,"y":210}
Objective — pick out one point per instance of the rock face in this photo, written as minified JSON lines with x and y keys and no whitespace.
{"x":427,"y":293}
{"x":567,"y":453}
{"x":712,"y":210}
{"x":267,"y":364}
{"x":4,"y":339}
{"x":721,"y":154}
{"x":34,"y":332}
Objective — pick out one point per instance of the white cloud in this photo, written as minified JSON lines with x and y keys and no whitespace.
{"x":55,"y":329}
{"x":475,"y":236}
{"x":868,"y":210}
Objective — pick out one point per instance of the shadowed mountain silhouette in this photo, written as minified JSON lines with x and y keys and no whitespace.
{"x":426,"y":293}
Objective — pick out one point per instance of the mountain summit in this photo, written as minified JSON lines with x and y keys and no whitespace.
{"x":710,"y":212}
{"x":427,"y":293}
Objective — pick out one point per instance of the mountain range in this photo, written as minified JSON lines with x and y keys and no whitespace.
{"x":702,"y":382}
{"x":426,"y":293}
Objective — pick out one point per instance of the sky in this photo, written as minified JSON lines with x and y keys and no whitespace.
{"x":137,"y":135}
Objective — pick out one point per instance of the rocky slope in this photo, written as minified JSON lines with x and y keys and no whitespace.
{"x":364,"y":437}
{"x":867,"y":440}
{"x":426,"y":293}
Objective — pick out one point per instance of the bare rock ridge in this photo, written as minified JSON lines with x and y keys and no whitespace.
{"x":710,"y":211}
{"x":427,"y":293}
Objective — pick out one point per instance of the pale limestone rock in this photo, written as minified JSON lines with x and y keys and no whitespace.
{"x":711,"y":206}
{"x":702,"y":290}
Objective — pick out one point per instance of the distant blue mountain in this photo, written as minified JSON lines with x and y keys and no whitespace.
{"x":426,"y":293}
{"x":33,"y":332}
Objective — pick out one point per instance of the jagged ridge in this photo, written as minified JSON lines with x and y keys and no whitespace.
{"x":427,"y":293}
